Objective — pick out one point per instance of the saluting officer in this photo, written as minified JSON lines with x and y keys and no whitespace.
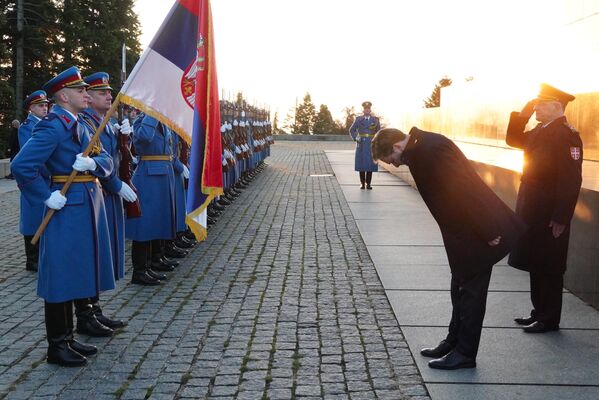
{"x":155,"y":182}
{"x":362,"y":131}
{"x":32,"y":214}
{"x":90,"y":319}
{"x":551,"y":181}
{"x":75,"y":259}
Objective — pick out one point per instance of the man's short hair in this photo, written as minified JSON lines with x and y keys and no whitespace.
{"x":383,"y":141}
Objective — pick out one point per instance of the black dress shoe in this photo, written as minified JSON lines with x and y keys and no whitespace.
{"x":218,"y":207}
{"x":452,"y":360}
{"x":224,"y":202}
{"x":168,"y":261}
{"x":525,"y":320}
{"x":161,"y":267}
{"x":111,"y":323}
{"x":143,"y":278}
{"x":442,"y":348}
{"x":362,"y":187}
{"x":82,"y":348}
{"x":62,"y":354}
{"x":174,"y":251}
{"x":156,"y":275}
{"x":368,"y":187}
{"x":184,"y":243}
{"x":89,"y":325}
{"x":540,"y":327}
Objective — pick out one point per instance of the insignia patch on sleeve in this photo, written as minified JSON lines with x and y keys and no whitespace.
{"x":575,"y":153}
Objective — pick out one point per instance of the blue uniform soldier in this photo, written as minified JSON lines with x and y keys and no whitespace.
{"x":75,"y":256}
{"x":31,"y":214}
{"x":155,"y":181}
{"x":176,"y":248}
{"x":90,"y":319}
{"x":362,"y":131}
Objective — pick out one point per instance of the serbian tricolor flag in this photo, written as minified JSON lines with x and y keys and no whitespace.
{"x":175,"y":82}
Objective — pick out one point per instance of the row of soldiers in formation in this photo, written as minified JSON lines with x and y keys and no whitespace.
{"x":81,"y":252}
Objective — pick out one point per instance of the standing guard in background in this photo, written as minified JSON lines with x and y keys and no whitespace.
{"x":32,"y":214}
{"x":75,"y":255}
{"x":547,"y":197}
{"x":90,"y":319}
{"x":362,"y":131}
{"x":155,"y":181}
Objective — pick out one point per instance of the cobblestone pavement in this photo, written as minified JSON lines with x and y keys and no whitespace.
{"x":282,"y":301}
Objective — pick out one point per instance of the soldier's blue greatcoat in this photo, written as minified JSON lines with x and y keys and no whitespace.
{"x":155,"y":182}
{"x":179,"y":186}
{"x":75,"y":256}
{"x":364,"y":126}
{"x":31,"y":214}
{"x":111,"y":185}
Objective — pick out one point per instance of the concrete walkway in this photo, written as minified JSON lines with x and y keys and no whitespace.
{"x":405,"y":245}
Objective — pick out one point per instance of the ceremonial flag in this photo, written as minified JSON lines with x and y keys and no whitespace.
{"x":175,"y":82}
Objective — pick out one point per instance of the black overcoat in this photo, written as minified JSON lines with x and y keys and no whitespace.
{"x":551,"y":181}
{"x":469,"y":214}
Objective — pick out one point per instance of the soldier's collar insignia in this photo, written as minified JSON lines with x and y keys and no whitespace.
{"x":66,"y":119}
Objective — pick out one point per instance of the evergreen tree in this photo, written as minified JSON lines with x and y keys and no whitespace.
{"x":323,"y":121}
{"x":304,"y":116}
{"x":275,"y":125}
{"x":435,"y":98}
{"x":94,"y":32}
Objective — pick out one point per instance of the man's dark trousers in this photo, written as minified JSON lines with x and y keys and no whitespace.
{"x":469,"y":301}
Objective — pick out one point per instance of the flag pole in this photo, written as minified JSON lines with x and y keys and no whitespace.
{"x":85,"y":153}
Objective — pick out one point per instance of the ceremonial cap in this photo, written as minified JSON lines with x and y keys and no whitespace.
{"x":69,"y":78}
{"x":98,"y":81}
{"x":367,"y":104}
{"x":549,"y":93}
{"x":37,"y":97}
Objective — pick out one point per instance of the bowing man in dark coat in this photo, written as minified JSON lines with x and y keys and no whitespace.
{"x":478,"y":230}
{"x":551,"y":181}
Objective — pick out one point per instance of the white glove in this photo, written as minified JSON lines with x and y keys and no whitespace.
{"x":84,"y":163}
{"x":56,"y":200}
{"x":124,"y":127}
{"x":185,"y":172}
{"x":127,"y":193}
{"x":135,"y":160}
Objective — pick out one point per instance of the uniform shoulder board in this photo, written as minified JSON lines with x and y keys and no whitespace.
{"x":50,"y":117}
{"x":26,"y":122}
{"x":567,"y":125}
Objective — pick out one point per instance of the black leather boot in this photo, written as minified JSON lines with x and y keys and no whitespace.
{"x":142,"y":277}
{"x":156,"y":275}
{"x":31,"y":254}
{"x":59,"y":332}
{"x":104,"y":320}
{"x":87,"y":323}
{"x":61,"y":353}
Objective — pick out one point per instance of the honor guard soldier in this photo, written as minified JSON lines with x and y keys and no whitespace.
{"x":362,"y":131}
{"x":548,"y":193}
{"x":32,"y":214}
{"x":75,"y":255}
{"x":155,"y":181}
{"x":90,"y":319}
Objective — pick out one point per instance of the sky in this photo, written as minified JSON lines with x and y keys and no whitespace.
{"x":393,"y":52}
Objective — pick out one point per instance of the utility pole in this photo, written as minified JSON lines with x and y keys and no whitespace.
{"x":19,"y":75}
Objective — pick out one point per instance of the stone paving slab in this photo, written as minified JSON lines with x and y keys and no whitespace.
{"x":437,"y":277}
{"x":510,"y":356}
{"x":281,"y":301}
{"x":512,"y":392}
{"x":433,"y":308}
